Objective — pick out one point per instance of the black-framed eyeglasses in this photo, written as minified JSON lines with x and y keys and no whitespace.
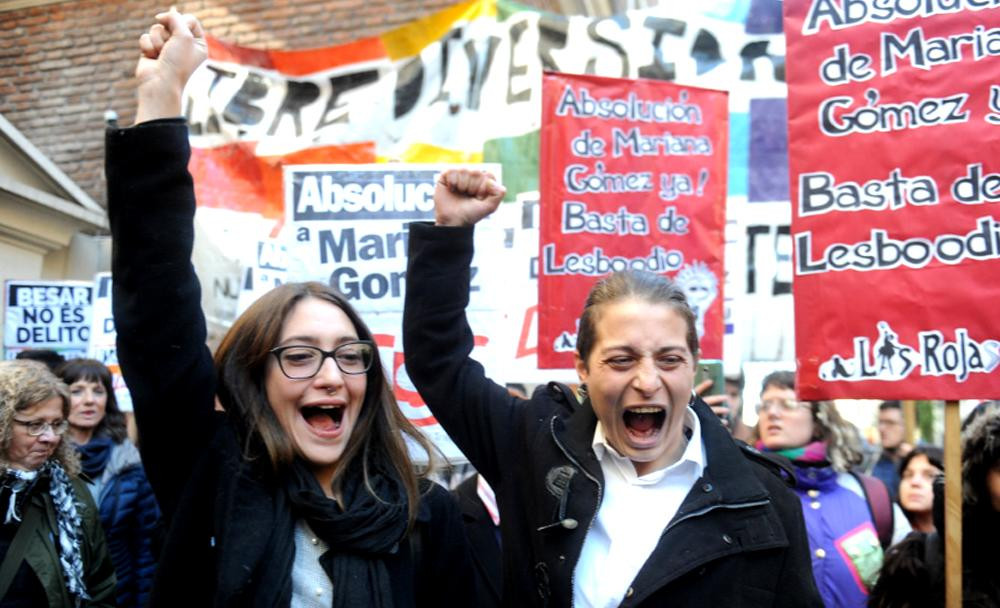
{"x":37,"y":428}
{"x":786,"y":405}
{"x":302,"y":362}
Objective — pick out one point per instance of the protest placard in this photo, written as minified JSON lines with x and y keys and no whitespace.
{"x":893,"y":113}
{"x":267,"y":270}
{"x":632,"y":176}
{"x":52,"y":315}
{"x":103,"y":336}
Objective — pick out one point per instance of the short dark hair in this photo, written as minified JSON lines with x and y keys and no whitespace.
{"x":639,"y":284}
{"x":780,"y":379}
{"x":892,"y":404}
{"x":50,"y":358}
{"x":933,"y":453}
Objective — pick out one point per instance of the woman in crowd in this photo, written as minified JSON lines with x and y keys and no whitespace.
{"x":302,"y":491}
{"x":917,"y":472}
{"x":52,"y":549}
{"x":846,"y":536}
{"x":637,"y":495}
{"x":913,"y":575}
{"x":981,"y":507}
{"x":117,"y":481}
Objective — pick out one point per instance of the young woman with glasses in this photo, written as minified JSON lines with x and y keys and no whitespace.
{"x":52,"y":548}
{"x":302,"y":492}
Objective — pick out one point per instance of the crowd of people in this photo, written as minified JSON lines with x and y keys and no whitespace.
{"x":266,"y":475}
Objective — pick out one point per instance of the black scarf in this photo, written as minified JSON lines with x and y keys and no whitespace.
{"x":94,"y":455}
{"x":360,"y":534}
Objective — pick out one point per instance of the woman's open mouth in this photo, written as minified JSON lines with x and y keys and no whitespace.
{"x":324,"y":419}
{"x":644,"y":423}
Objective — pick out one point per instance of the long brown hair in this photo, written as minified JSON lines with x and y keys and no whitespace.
{"x":241,"y":366}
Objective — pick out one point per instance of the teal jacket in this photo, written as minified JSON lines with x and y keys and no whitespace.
{"x":41,"y":555}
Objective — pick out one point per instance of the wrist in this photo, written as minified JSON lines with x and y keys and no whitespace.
{"x":157,"y":101}
{"x":444,"y":220}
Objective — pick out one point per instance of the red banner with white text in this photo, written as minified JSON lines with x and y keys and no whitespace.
{"x":632,"y":176}
{"x":894,"y":147}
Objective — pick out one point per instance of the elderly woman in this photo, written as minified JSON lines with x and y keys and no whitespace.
{"x":845,"y":536}
{"x":116,"y":479}
{"x":301,"y":492}
{"x":51,"y":543}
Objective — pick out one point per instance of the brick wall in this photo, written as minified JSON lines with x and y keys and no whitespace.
{"x":62,"y":65}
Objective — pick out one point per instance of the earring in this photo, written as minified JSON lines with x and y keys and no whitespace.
{"x":582,"y":390}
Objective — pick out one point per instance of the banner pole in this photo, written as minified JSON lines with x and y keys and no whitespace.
{"x":910,"y":421}
{"x":953,"y":505}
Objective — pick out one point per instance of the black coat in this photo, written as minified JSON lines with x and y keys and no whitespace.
{"x":738,"y":539}
{"x":482,"y":535}
{"x":219,"y":510}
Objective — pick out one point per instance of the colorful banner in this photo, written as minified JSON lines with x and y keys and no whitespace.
{"x":49,"y":315}
{"x":633,"y":176}
{"x":464,"y":85}
{"x":894,"y":111}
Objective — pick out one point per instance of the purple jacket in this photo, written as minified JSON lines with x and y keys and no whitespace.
{"x":843,"y":542}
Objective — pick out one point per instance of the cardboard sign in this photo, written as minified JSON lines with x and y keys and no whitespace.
{"x":53,"y":315}
{"x":103,"y":338}
{"x":893,"y":113}
{"x":633,"y":176}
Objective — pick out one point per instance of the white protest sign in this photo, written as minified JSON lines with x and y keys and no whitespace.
{"x":52,"y":315}
{"x":267,"y":270}
{"x":103,"y":337}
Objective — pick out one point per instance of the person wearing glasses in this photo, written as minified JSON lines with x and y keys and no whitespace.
{"x":301,"y":492}
{"x":116,"y":479}
{"x":636,"y":495}
{"x":52,"y":548}
{"x":842,"y":508}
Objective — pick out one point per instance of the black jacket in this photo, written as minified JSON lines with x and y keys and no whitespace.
{"x":737,"y":540}
{"x":218,"y":508}
{"x":482,"y":535}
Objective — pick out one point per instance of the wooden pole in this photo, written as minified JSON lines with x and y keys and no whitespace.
{"x":953,"y":504}
{"x":910,"y":422}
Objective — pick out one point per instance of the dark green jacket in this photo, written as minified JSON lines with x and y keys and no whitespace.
{"x":41,"y":555}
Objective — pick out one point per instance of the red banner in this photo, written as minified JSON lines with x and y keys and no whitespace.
{"x":894,"y":147}
{"x":632,"y":175}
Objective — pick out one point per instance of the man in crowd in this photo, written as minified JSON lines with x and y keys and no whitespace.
{"x":892,"y":431}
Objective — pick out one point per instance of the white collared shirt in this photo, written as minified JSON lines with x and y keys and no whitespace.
{"x":631,"y":517}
